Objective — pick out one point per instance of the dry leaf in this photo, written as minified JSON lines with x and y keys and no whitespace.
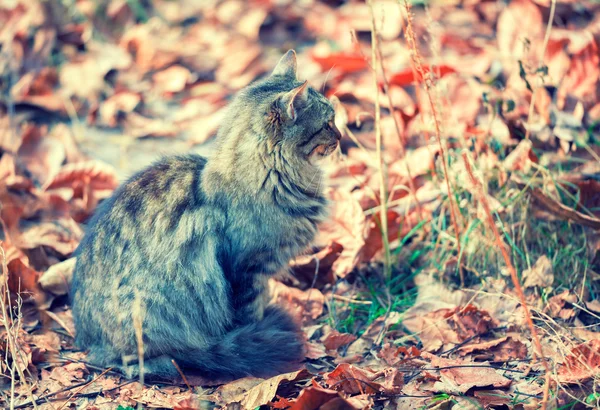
{"x":457,"y":377}
{"x":57,"y":279}
{"x":540,"y":275}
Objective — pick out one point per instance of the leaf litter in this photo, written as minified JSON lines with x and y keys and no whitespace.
{"x":159,"y":72}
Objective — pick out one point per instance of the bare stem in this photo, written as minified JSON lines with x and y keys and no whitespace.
{"x":513,"y":273}
{"x":427,"y":81}
{"x":10,"y":336}
{"x":541,"y":62}
{"x":382,"y":176}
{"x":386,"y":89}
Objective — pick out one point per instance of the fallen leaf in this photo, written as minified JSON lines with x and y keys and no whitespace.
{"x":345,"y":226}
{"x":116,"y":107}
{"x":449,"y":326}
{"x":57,"y":279}
{"x":498,"y":350}
{"x":252,"y":392}
{"x":457,"y":377}
{"x":96,"y":174}
{"x":316,"y":270}
{"x":343,"y":62}
{"x":583,"y":363}
{"x":172,"y":79}
{"x":315,"y":397}
{"x":353,"y":380}
{"x":306,"y":304}
{"x":540,"y":275}
{"x":520,"y":21}
{"x":407,"y":76}
{"x":560,"y":306}
{"x":334,"y":340}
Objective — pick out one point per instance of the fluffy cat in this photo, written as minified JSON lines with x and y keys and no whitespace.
{"x":186,"y":246}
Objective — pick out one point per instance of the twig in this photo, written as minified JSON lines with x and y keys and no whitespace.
{"x":138,"y":321}
{"x":49,"y":397}
{"x":84,"y":386}
{"x":11,"y":338}
{"x":349,"y":300}
{"x":541,"y":61}
{"x":416,"y":57}
{"x":513,"y":273}
{"x":181,"y":374}
{"x":386,"y":90}
{"x":382,"y":178}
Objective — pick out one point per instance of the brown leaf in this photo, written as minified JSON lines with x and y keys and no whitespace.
{"x":95,"y":174}
{"x":172,"y":79}
{"x":57,"y":278}
{"x":407,"y":76}
{"x":83,"y":76}
{"x":353,"y":380}
{"x":540,"y":275}
{"x":583,"y":363}
{"x":139,"y":126}
{"x":306,"y":304}
{"x":22,"y":279}
{"x":316,"y":270}
{"x":449,"y":326}
{"x":560,"y":306}
{"x":68,"y":373}
{"x":334,"y":340}
{"x":315,"y":398}
{"x":63,"y":235}
{"x":458,"y":380}
{"x":558,"y":209}
{"x":521,"y":20}
{"x":345,"y":226}
{"x":114,"y":108}
{"x":498,"y":350}
{"x":252,"y":392}
{"x":186,"y":404}
{"x":343,"y":62}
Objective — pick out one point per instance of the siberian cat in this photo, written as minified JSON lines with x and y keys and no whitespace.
{"x":186,"y":246}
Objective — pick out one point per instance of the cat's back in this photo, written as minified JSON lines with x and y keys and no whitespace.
{"x":149,"y":214}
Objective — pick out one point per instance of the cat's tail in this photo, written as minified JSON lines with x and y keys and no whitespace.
{"x":271,"y":346}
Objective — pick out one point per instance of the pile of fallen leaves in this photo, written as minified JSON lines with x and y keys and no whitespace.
{"x":490,"y":78}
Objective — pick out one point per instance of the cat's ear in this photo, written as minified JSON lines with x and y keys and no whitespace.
{"x":287,"y":65}
{"x":292,"y":98}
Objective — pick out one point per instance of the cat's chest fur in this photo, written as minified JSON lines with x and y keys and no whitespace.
{"x":266,"y":237}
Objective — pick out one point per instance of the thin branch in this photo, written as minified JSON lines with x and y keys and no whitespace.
{"x":386,"y":90}
{"x":427,"y":81}
{"x":541,"y":61}
{"x":513,"y":274}
{"x":382,"y":178}
{"x":84,"y":386}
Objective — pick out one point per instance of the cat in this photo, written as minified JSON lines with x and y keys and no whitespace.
{"x":181,"y":254}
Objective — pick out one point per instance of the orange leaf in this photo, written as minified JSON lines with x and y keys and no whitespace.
{"x":344,"y":62}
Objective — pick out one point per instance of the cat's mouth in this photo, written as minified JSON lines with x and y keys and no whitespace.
{"x":324,"y":150}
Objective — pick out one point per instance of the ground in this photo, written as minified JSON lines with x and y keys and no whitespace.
{"x":459,"y":266}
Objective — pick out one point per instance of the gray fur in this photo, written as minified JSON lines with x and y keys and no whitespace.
{"x":194,"y":241}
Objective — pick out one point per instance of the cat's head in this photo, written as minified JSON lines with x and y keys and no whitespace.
{"x":294,"y":117}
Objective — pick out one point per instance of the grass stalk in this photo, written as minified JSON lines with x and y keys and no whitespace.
{"x":401,"y":139}
{"x":427,"y":81}
{"x":541,"y":62}
{"x":11,"y":332}
{"x":513,"y":274}
{"x":380,"y":162}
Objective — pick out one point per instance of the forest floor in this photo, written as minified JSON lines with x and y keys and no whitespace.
{"x":460,"y":266}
